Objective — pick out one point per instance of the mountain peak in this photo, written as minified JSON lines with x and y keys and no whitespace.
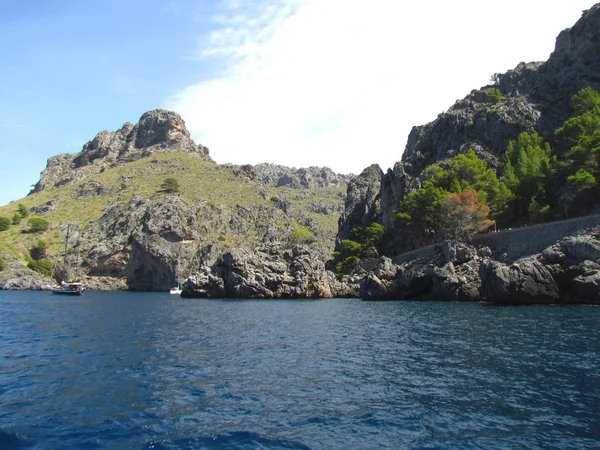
{"x":158,"y":131}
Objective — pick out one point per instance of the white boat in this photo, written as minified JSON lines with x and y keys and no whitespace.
{"x":177,"y":289}
{"x":70,"y":288}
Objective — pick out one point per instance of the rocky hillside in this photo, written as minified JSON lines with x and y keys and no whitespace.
{"x":531,"y":97}
{"x":268,"y":231}
{"x":157,"y":131}
{"x":127,"y":231}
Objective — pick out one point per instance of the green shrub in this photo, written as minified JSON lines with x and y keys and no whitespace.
{"x":42,"y":266}
{"x":347,"y":266}
{"x":495,"y":94}
{"x":1,"y":265}
{"x":38,"y":251}
{"x":302,"y":235}
{"x":170,"y":185}
{"x":36,"y":224}
{"x":16,"y":220}
{"x":22,"y":210}
{"x":4,"y":223}
{"x":352,"y":247}
{"x":582,"y":179}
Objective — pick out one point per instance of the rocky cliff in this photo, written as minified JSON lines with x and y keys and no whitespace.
{"x":565,"y":272}
{"x":534,"y":97}
{"x":267,"y":231}
{"x":157,"y":131}
{"x":128,"y":232}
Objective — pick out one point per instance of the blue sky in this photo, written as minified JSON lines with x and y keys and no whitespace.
{"x":297,"y":82}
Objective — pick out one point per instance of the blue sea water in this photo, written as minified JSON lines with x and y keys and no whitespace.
{"x":154,"y":371}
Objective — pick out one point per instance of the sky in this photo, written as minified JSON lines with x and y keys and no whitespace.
{"x":336,"y":83}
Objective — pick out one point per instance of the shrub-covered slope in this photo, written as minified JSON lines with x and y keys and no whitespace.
{"x":129,"y":229}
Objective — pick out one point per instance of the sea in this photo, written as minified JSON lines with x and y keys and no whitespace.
{"x":125,"y":370}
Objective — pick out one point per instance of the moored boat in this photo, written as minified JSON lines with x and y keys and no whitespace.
{"x":177,"y":289}
{"x":69,"y":289}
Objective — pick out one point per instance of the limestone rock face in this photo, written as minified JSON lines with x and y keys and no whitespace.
{"x":523,"y":282}
{"x":157,"y":131}
{"x":165,"y":129}
{"x":138,"y":245}
{"x":361,"y":203}
{"x":581,"y":248}
{"x":24,"y":279}
{"x":58,"y":168}
{"x":567,"y":272}
{"x":587,"y":286}
{"x":395,"y":184}
{"x":372,"y":288}
{"x":486,"y":127}
{"x":310,"y":177}
{"x":438,"y":277}
{"x":267,"y":272}
{"x":534,"y":97}
{"x":453,"y":251}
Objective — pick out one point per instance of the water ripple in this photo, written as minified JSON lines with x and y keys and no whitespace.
{"x":125,"y":370}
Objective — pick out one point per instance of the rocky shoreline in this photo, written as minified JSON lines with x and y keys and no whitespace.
{"x":268,"y":231}
{"x":566,"y":272}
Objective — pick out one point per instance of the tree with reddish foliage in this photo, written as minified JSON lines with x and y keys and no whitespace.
{"x":463,"y":215}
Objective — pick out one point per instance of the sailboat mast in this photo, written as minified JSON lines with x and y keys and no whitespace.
{"x":66,"y":244}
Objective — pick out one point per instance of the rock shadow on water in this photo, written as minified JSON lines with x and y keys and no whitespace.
{"x":14,"y":441}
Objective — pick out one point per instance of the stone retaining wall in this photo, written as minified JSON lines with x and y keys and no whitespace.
{"x":518,"y":242}
{"x":527,"y":241}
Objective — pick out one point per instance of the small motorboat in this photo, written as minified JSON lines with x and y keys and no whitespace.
{"x":69,"y":289}
{"x":176,"y":290}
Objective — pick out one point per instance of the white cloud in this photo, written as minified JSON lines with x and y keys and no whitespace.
{"x":340,"y":83}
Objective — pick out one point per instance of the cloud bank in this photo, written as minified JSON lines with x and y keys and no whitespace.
{"x":340,"y":83}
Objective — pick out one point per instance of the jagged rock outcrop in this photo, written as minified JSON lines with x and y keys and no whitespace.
{"x":450,"y":275}
{"x":309,"y":177}
{"x":395,"y":184}
{"x":270,"y":271}
{"x":567,"y":272}
{"x":362,"y":200}
{"x":21,"y":278}
{"x":525,"y":281}
{"x":157,"y":131}
{"x":534,"y":97}
{"x":470,"y":123}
